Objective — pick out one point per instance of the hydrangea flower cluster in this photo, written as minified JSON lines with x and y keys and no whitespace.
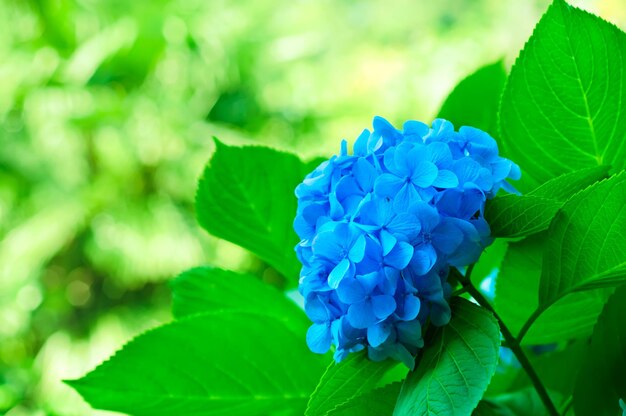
{"x":381,"y":227}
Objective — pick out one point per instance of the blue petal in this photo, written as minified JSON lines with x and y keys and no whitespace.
{"x":364,"y":174}
{"x":410,"y":333}
{"x":405,"y":198}
{"x":388,"y":185}
{"x":415,"y":129}
{"x":336,"y":209}
{"x":347,"y":186}
{"x":424,"y":174}
{"x":400,"y":256}
{"x":327,"y":246}
{"x":424,"y":258}
{"x":406,"y":225}
{"x":410,"y":308}
{"x":383,"y":306}
{"x":370,"y":281}
{"x":341,"y":270}
{"x":447,"y":237}
{"x":360,"y":145}
{"x":378,"y":333}
{"x":317,"y":310}
{"x":446,"y":179}
{"x":318,"y":338}
{"x":439,"y":153}
{"x":351,"y":291}
{"x":361,"y":315}
{"x":427,"y":215}
{"x":387,"y":241}
{"x":466,"y":169}
{"x":357,"y":251}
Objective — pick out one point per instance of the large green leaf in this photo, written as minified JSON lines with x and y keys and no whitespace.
{"x":517,"y":285}
{"x":209,"y":364}
{"x":483,"y":86}
{"x":601,"y":381}
{"x":206,"y":289}
{"x":246,"y":196}
{"x":455,"y":367}
{"x":346,"y":380}
{"x":379,"y":402}
{"x":517,"y":216}
{"x":562,"y":107}
{"x":586,"y":247}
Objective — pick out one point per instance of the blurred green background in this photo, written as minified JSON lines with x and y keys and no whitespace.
{"x":107,"y":109}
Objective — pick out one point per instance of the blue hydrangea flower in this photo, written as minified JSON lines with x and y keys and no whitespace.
{"x":622,"y":404}
{"x":381,"y":227}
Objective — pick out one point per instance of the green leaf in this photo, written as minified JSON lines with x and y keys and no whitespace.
{"x":456,"y":366}
{"x":346,"y":380}
{"x":379,"y":402}
{"x":518,"y":216}
{"x":246,"y":196}
{"x":586,"y":247}
{"x":206,"y":289}
{"x":601,"y":381}
{"x":562,"y":108}
{"x":483,"y":86}
{"x":517,"y":285}
{"x":524,"y":402}
{"x":565,"y":186}
{"x":210,"y":364}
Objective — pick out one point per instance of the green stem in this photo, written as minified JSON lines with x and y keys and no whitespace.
{"x":511,"y":342}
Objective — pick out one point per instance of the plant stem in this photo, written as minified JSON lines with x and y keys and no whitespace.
{"x":511,"y":342}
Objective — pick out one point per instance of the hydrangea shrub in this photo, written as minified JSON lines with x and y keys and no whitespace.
{"x":399,"y":263}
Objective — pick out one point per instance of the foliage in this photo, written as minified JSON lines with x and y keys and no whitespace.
{"x":237,"y":345}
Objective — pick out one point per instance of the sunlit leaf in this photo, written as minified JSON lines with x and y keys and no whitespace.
{"x":562,"y":106}
{"x":246,"y":196}
{"x":209,"y":364}
{"x":517,"y":216}
{"x":206,"y":289}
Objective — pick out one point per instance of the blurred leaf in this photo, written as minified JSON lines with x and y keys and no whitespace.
{"x":379,"y":402}
{"x":517,"y":283}
{"x":517,"y":286}
{"x":240,"y":363}
{"x":561,"y":108}
{"x":474,"y":101}
{"x":489,"y":262}
{"x":517,"y":216}
{"x":601,"y":382}
{"x":345,"y":381}
{"x":246,"y":196}
{"x":206,"y":289}
{"x":554,"y":368}
{"x":586,"y":247}
{"x":456,"y":366}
